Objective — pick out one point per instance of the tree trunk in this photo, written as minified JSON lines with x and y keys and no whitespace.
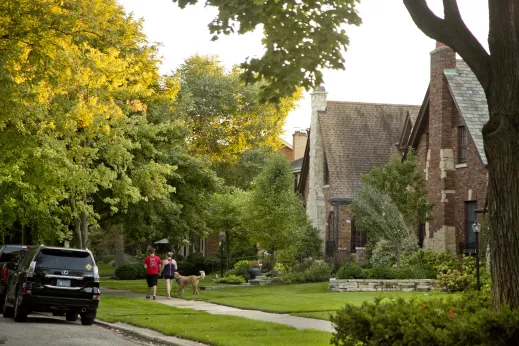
{"x":77,"y":222}
{"x":228,"y":244}
{"x":119,"y":247}
{"x":84,"y":226}
{"x":501,"y":145}
{"x":24,"y":235}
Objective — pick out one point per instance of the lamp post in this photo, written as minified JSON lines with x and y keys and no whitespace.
{"x":222,"y":238}
{"x":475,"y":228}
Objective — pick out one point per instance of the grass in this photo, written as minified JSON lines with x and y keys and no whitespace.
{"x":309,"y":300}
{"x":204,"y":327}
{"x":105,"y":270}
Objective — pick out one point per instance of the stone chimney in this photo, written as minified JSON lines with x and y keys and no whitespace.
{"x":299,"y":144}
{"x":315,"y":206}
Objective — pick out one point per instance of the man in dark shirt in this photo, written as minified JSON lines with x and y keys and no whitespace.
{"x":153,"y":266}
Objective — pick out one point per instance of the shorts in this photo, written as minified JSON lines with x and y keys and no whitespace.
{"x":151,"y":279}
{"x":167,"y":276}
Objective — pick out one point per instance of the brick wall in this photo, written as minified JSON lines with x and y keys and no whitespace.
{"x":212,"y":243}
{"x":449,"y":185}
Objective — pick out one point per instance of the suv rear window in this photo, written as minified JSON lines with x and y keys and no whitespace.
{"x":63,"y":259}
{"x":12,"y":253}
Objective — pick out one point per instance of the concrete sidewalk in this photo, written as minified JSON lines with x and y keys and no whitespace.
{"x":294,"y":321}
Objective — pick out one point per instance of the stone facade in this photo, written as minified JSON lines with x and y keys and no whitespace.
{"x":373,"y":285}
{"x":315,"y":206}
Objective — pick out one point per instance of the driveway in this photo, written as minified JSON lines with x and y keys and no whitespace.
{"x":48,"y":330}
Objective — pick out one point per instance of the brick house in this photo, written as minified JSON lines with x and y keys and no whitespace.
{"x":346,"y":139}
{"x":449,"y":146}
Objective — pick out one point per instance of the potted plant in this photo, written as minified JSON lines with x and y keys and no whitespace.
{"x":255,"y":269}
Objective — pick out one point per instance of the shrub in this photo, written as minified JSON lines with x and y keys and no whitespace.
{"x":381,"y":272}
{"x":302,"y":266}
{"x":318,"y":271}
{"x":293,"y":278}
{"x":108,"y":258}
{"x":231,"y":279}
{"x":242,"y":271}
{"x":187,"y":268}
{"x":243,"y":263}
{"x":454,"y":280}
{"x":467,"y":320}
{"x":130,"y":271}
{"x":111,"y":263}
{"x":351,"y":271}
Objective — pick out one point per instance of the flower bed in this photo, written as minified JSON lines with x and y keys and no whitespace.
{"x":375,"y":285}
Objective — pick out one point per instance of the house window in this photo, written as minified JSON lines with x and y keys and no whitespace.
{"x":471,"y":219}
{"x":331,"y":241}
{"x":202,"y":246}
{"x":462,"y":144}
{"x":361,"y":239}
{"x":326,"y":172}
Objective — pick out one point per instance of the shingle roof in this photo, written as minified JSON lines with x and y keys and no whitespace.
{"x":297,"y":165}
{"x":358,"y":137}
{"x":471,"y":102}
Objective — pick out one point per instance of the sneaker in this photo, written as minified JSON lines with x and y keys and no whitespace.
{"x":169,"y":297}
{"x":154,"y":298}
{"x":147,"y":297}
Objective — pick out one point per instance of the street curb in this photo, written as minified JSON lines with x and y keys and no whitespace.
{"x":161,"y":340}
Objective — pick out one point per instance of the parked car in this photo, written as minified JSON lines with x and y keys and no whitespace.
{"x":8,"y":253}
{"x":53,"y":279}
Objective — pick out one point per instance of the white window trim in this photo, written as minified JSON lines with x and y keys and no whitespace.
{"x":461,"y":165}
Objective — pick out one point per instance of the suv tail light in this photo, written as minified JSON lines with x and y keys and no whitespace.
{"x":96,"y":274}
{"x":3,"y":276}
{"x":30,"y":271}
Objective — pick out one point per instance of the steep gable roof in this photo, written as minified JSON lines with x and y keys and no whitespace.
{"x":471,"y":101}
{"x":358,"y":137}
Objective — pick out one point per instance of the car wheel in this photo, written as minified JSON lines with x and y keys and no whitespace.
{"x":7,"y":311}
{"x":71,"y":316}
{"x":20,"y":315}
{"x":87,"y":318}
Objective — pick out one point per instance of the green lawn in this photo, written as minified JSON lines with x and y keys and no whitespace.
{"x":105,"y":270}
{"x":204,"y":327}
{"x":310,"y":300}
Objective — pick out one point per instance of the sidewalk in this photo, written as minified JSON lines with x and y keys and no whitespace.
{"x":294,"y":321}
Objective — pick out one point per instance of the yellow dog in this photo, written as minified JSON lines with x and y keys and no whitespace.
{"x":192,"y":280}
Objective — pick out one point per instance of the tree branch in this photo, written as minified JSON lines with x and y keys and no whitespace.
{"x":453,"y":32}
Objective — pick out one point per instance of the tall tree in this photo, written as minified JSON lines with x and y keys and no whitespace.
{"x":497,"y":72}
{"x":226,"y":116}
{"x":272,"y":213}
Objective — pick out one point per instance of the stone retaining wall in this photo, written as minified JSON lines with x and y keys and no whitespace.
{"x":375,"y":285}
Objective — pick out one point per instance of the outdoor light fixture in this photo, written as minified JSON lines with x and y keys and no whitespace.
{"x":476,"y":227}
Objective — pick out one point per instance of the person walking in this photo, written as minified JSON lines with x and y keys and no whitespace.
{"x":153,"y":266}
{"x":169,"y":267}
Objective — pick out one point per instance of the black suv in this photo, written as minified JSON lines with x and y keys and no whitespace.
{"x":52,"y":279}
{"x":8,"y":253}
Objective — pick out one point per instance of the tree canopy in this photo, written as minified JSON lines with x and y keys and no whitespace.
{"x":300,"y":38}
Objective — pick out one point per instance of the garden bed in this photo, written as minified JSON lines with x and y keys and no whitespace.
{"x":380,"y":285}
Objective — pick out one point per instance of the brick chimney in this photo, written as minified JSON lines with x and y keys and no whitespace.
{"x":440,"y":158}
{"x":299,"y":144}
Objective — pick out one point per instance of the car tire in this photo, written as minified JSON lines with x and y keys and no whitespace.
{"x":7,"y":311}
{"x":71,"y":316}
{"x":88,"y":318}
{"x":20,"y":315}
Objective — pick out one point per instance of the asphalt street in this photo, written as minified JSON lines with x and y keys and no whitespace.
{"x":48,"y":330}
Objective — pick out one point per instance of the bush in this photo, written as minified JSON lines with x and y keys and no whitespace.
{"x":111,"y":263}
{"x":130,"y":271}
{"x":454,"y":281}
{"x":381,"y":272}
{"x":467,"y":320}
{"x":187,"y":268}
{"x":318,"y":271}
{"x":351,"y":271}
{"x":108,"y":258}
{"x":243,"y":264}
{"x":231,"y":279}
{"x":242,"y":271}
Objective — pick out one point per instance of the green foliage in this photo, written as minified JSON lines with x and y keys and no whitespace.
{"x":454,"y":280}
{"x":468,"y":320}
{"x":300,"y":38}
{"x":309,"y":242}
{"x":231,"y":279}
{"x":351,"y":271}
{"x":243,"y":264}
{"x":405,"y":184}
{"x":378,"y":216}
{"x":108,"y":258}
{"x":383,"y":252}
{"x":130,"y":271}
{"x":381,"y":272}
{"x":272,"y":212}
{"x":316,"y":271}
{"x":225,"y":117}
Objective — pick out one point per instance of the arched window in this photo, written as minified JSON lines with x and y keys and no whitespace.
{"x":331,"y":235}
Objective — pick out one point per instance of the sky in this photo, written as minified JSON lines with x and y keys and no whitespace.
{"x":387,"y":60}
